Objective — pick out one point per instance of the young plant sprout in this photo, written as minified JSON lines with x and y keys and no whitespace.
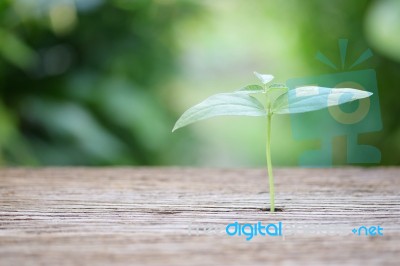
{"x":278,"y":100}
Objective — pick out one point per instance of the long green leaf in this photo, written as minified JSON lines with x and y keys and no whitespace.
{"x":221,"y":104}
{"x":311,"y":98}
{"x":251,"y":89}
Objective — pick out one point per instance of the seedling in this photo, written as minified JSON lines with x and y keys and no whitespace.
{"x":278,"y":100}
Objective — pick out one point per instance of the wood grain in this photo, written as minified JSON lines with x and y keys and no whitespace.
{"x":177,"y":216}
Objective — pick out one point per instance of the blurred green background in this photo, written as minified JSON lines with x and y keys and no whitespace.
{"x":93,"y":82}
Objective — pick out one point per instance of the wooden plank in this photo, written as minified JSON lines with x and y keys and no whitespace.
{"x":177,"y":216}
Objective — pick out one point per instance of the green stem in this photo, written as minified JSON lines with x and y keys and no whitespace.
{"x":269,"y":164}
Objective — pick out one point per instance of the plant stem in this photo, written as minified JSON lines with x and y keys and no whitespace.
{"x":269,"y":164}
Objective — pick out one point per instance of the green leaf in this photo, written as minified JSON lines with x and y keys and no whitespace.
{"x":277,"y":86}
{"x":311,"y":98}
{"x":251,"y":89}
{"x":221,"y":104}
{"x":265,"y":78}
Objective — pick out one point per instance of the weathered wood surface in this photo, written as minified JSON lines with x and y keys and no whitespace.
{"x":142,"y":216}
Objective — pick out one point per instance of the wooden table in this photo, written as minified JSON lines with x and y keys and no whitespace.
{"x":178,"y":216}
